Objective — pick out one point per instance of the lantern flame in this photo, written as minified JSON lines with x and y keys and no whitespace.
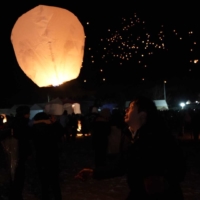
{"x":79,"y":126}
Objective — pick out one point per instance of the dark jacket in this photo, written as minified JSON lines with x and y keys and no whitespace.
{"x":22,"y":132}
{"x":151,"y":153}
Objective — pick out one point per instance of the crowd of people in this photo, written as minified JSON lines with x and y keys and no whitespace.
{"x":138,"y":142}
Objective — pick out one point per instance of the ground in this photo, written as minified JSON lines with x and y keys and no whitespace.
{"x":77,"y":155}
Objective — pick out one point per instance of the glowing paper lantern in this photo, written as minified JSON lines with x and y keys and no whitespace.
{"x":49,"y":45}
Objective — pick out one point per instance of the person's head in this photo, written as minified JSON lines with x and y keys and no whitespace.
{"x":23,"y":112}
{"x":65,"y":112}
{"x":41,"y":116}
{"x":52,"y":118}
{"x":141,"y":111}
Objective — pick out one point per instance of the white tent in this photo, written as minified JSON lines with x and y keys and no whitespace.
{"x":13,"y":109}
{"x":54,"y":107}
{"x":161,"y":104}
{"x":77,"y":108}
{"x":34,"y":109}
{"x":68,"y":107}
{"x":57,"y":107}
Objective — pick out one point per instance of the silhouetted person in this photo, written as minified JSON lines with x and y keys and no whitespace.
{"x":21,"y":131}
{"x":150,"y":158}
{"x":46,"y":137}
{"x":73,"y":125}
{"x":100,"y":131}
{"x":64,"y":122}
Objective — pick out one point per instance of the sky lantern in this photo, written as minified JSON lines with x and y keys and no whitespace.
{"x":49,"y":45}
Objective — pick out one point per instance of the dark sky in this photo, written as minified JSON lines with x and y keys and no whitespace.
{"x":159,"y":42}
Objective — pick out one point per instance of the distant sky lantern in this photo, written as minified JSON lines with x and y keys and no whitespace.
{"x":49,"y":45}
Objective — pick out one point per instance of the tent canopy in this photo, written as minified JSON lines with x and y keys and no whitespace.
{"x":160,"y":104}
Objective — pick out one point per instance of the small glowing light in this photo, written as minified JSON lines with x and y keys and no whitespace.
{"x":84,"y":80}
{"x":196,"y":61}
{"x":182,"y":105}
{"x":87,"y":22}
{"x":4,"y":119}
{"x":104,"y":79}
{"x":79,"y":126}
{"x":188,"y":102}
{"x":101,"y":70}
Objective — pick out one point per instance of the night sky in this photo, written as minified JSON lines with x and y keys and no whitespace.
{"x":127,"y":44}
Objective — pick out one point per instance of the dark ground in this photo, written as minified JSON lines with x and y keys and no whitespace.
{"x":77,"y":155}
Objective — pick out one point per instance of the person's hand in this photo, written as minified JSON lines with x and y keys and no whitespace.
{"x":155,"y":185}
{"x":84,"y":174}
{"x":47,"y":121}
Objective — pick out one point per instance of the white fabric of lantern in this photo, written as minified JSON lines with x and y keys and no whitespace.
{"x":49,"y":45}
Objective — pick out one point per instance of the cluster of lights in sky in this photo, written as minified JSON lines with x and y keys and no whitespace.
{"x":131,"y":40}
